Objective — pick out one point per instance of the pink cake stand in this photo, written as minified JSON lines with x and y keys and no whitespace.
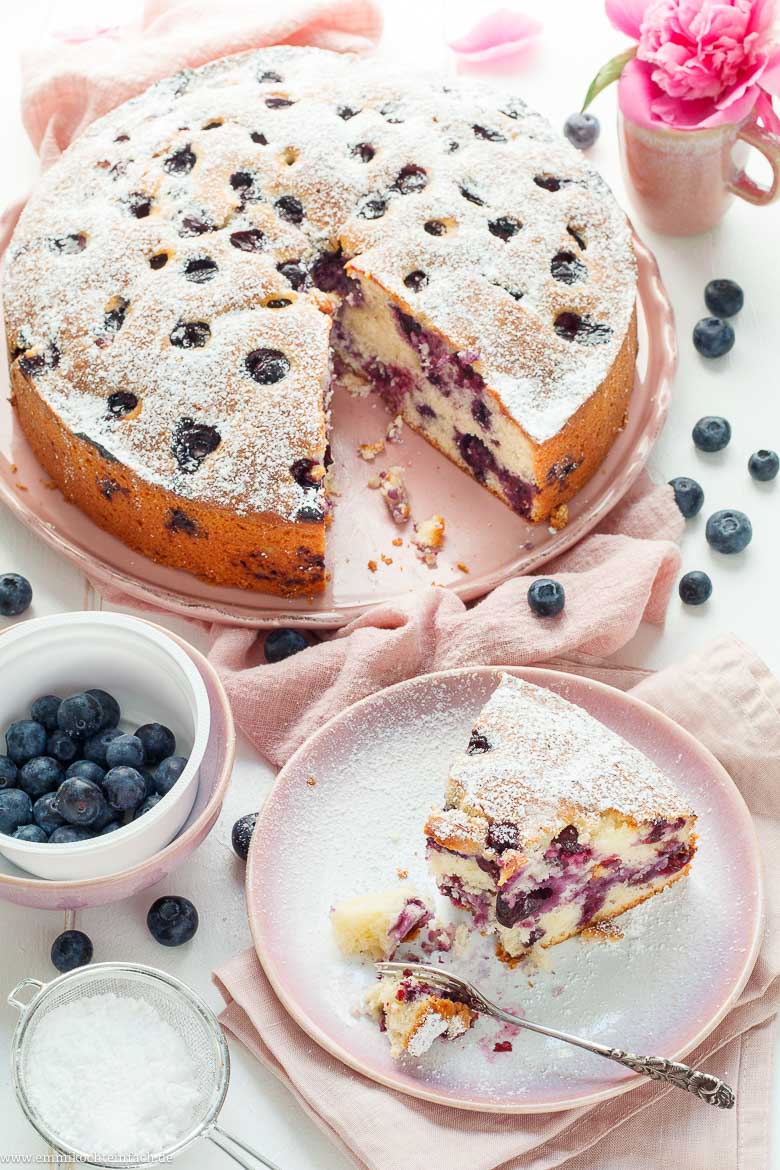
{"x":485,"y":545}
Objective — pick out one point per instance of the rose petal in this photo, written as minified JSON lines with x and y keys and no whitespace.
{"x":627,"y":15}
{"x":500,"y":31}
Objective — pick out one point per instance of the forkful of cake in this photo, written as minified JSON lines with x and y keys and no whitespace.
{"x":420,"y":1002}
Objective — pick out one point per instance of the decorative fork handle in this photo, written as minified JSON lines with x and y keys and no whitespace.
{"x":707,"y":1087}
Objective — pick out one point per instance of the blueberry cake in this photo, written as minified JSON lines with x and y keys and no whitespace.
{"x":374,"y":925}
{"x":414,"y":1014}
{"x":187,"y":278}
{"x":552,"y":823}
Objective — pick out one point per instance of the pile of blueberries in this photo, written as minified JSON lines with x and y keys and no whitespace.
{"x":727,"y":531}
{"x":71,"y":774}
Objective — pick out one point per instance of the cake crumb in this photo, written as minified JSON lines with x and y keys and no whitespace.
{"x":397,"y":542}
{"x":312,"y":782}
{"x":372,"y":566}
{"x":502,"y":1046}
{"x":402,"y":874}
{"x":393,"y":489}
{"x":14,"y":468}
{"x":374,"y":482}
{"x":22,"y":487}
{"x":463,"y":568}
{"x":395,"y":428}
{"x":602,"y":932}
{"x":428,"y":538}
{"x":386,"y":560}
{"x":369,"y":451}
{"x":559,"y":518}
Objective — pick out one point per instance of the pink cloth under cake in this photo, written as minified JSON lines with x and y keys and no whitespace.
{"x":618,"y":576}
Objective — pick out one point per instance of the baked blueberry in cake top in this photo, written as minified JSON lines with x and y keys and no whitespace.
{"x":374,"y":925}
{"x":552,"y":823}
{"x":178,"y":287}
{"x":413,"y":1014}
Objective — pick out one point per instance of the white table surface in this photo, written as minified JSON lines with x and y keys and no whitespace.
{"x":742,"y":386}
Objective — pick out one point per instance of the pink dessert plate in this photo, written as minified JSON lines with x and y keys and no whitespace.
{"x":346,"y":816}
{"x":485,"y":545}
{"x":215,"y":771}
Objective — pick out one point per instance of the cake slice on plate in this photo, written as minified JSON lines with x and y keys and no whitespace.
{"x":552,"y":823}
{"x":414,"y":1014}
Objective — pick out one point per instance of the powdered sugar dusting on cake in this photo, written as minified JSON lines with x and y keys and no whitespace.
{"x":537,"y":759}
{"x":185,"y":232}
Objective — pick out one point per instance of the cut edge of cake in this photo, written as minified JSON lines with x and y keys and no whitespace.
{"x":413,"y":1014}
{"x":374,"y":925}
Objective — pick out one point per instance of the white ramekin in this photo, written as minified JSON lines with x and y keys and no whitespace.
{"x":153,"y":680}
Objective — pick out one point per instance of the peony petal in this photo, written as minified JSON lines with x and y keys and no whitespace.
{"x":503,"y":30}
{"x":703,"y":114}
{"x":770,"y":78}
{"x":636,"y":93}
{"x":627,"y":15}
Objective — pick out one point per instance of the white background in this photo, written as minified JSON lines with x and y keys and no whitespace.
{"x":743,"y":386}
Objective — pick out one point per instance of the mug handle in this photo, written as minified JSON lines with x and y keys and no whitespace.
{"x":769,"y":145}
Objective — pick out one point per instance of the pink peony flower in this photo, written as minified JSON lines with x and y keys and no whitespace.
{"x":699,"y":63}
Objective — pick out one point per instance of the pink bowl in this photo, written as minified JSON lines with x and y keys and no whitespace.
{"x":215,"y":772}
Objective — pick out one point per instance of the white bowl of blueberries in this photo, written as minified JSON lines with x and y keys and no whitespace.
{"x":105,"y":720}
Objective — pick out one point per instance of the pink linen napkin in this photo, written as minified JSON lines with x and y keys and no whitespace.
{"x":728,"y":699}
{"x":618,"y":576}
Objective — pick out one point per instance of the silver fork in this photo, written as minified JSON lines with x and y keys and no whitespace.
{"x":707,"y":1087}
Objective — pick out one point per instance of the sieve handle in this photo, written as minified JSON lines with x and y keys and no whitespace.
{"x":20,"y":1004}
{"x":226,"y":1142}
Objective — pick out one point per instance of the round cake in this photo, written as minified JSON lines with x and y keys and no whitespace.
{"x":200,"y":266}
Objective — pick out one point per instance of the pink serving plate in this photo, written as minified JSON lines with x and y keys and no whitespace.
{"x":379,"y":768}
{"x":215,"y":770}
{"x":482,"y":533}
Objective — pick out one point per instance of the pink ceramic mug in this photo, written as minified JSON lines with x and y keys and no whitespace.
{"x":682,"y":181}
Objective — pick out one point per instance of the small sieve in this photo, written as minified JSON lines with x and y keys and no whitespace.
{"x":181,"y":1008}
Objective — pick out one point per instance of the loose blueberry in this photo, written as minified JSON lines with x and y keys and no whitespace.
{"x":124,"y":787}
{"x":711,"y":433}
{"x":157,"y":741}
{"x":241,"y":835}
{"x":168,"y":772}
{"x":283,"y":643}
{"x":582,"y":130}
{"x":546,"y":597}
{"x":8,"y":772}
{"x":713,"y":337}
{"x":728,"y":531}
{"x":80,"y":802}
{"x":126,"y":751}
{"x":45,"y":814}
{"x":39,"y":776}
{"x":149,"y":780}
{"x":70,"y":950}
{"x":724,"y":298}
{"x":147,"y":805}
{"x":44,"y":711}
{"x":62,"y":747}
{"x":32,"y":833}
{"x":87,"y":770}
{"x":15,"y":594}
{"x":688,"y":495}
{"x":764,"y":465}
{"x":695,"y":588}
{"x":172,"y":920}
{"x":109,"y":706}
{"x":70,"y":834}
{"x":80,"y":716}
{"x":15,"y":810}
{"x":24,"y":740}
{"x":95,"y":747}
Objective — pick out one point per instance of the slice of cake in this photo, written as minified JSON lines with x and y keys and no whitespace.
{"x":374,"y":925}
{"x":552,"y":822}
{"x":413,"y":1014}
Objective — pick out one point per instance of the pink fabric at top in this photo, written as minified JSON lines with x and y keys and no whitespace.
{"x":726,"y":697}
{"x":71,"y":80}
{"x":614,"y":578}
